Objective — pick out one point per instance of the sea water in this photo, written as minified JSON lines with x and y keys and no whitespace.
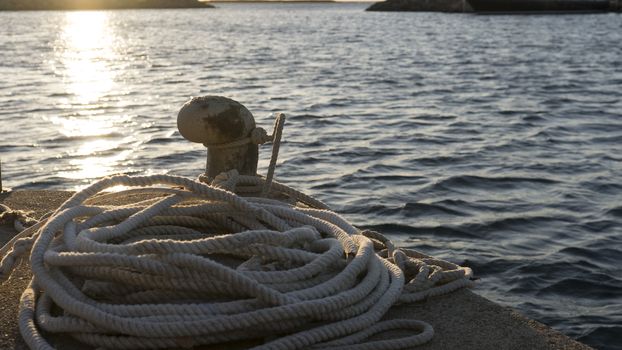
{"x":491,"y":141}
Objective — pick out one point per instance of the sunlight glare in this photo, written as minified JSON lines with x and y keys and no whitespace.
{"x":83,"y":126}
{"x":95,"y":167}
{"x":86,"y":54}
{"x":87,"y":46}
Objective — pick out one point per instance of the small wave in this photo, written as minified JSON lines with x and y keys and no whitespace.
{"x":490,"y":183}
{"x":564,"y":87}
{"x":426,"y":139}
{"x":397,"y":178}
{"x":491,"y":267}
{"x":514,"y":224}
{"x":15,"y":148}
{"x":534,"y":118}
{"x":167,"y":161}
{"x":602,"y":255}
{"x":279,"y":98}
{"x":614,"y":140}
{"x":59,"y":94}
{"x":210,"y":77}
{"x":425,"y":209}
{"x":555,"y":269}
{"x":47,"y":184}
{"x":309,"y":116}
{"x":440,"y":231}
{"x":600,"y":225}
{"x":162,"y":141}
{"x":588,"y":287}
{"x":251,"y":87}
{"x":604,"y":337}
{"x":617,"y":212}
{"x":173,"y":82}
{"x":380,"y":210}
{"x":79,"y":138}
{"x":443,"y":160}
{"x":325,"y":186}
{"x":577,"y":279}
{"x":597,"y":127}
{"x":439,"y":117}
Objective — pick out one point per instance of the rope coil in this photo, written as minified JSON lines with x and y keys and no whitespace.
{"x":199,"y":264}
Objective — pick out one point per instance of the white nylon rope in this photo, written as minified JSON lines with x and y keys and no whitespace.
{"x":202,"y":265}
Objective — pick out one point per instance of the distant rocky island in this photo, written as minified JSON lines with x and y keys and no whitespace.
{"x":422,"y":5}
{"x":28,"y":5}
{"x":274,"y":1}
{"x":500,"y":6}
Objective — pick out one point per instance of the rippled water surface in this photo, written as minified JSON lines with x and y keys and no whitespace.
{"x":492,"y":141}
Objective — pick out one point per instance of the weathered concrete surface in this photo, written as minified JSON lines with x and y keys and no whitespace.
{"x":461,"y":320}
{"x":422,"y":6}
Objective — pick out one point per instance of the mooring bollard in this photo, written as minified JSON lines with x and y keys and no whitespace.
{"x":224,"y":126}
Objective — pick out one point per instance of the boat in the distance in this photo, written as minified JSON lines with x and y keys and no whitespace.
{"x":543,"y":6}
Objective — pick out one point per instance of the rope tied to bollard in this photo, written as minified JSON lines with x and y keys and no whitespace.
{"x":198,"y":264}
{"x":258,"y":136}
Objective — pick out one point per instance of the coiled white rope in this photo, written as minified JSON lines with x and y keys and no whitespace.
{"x":200,"y":264}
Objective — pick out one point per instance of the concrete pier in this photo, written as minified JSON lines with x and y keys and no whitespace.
{"x":461,"y":320}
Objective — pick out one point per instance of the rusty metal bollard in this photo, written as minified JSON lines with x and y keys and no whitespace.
{"x":218,"y":122}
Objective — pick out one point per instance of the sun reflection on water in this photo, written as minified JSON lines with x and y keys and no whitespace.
{"x":88,"y":43}
{"x":85,"y":126}
{"x":86,"y":54}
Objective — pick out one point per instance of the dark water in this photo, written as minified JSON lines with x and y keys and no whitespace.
{"x":492,"y":141}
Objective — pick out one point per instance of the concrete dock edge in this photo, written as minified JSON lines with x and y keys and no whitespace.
{"x":461,"y":320}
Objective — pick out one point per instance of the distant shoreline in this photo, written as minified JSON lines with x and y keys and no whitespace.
{"x":63,"y":5}
{"x":272,"y":1}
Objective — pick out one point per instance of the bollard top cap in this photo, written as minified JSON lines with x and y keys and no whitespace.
{"x":214,"y":120}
